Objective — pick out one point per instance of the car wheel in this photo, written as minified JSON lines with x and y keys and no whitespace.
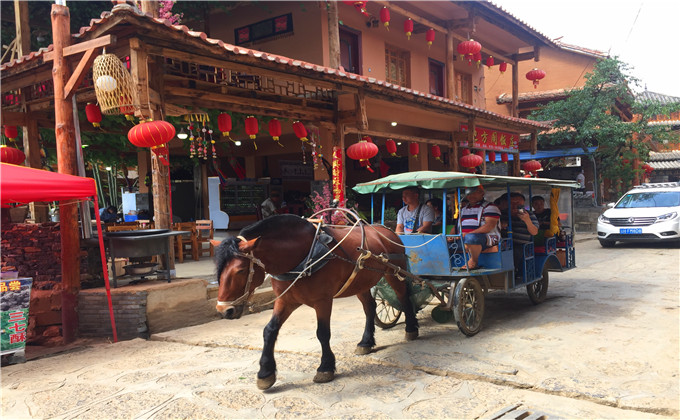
{"x":607,"y":243}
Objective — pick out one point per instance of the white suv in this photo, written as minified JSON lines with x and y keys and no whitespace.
{"x":647,"y":213}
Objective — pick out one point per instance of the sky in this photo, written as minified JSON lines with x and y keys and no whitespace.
{"x":642,"y":33}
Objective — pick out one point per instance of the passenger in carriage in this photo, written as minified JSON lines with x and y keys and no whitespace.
{"x":542,"y":213}
{"x":436,"y":205}
{"x":479,"y":225}
{"x":414,"y":217}
{"x":524,"y":224}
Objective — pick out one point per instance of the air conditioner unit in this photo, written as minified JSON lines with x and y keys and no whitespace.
{"x":572,"y":161}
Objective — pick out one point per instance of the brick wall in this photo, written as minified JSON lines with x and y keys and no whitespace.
{"x":129,"y":312}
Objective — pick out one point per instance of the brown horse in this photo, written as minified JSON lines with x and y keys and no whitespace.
{"x":276,"y":245}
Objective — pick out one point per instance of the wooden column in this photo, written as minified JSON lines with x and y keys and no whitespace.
{"x":150,"y":7}
{"x":484,"y":163}
{"x":453,"y":162}
{"x":362,"y":117}
{"x":450,"y":72}
{"x":516,"y":165}
{"x":333,"y":35}
{"x":66,"y":163}
{"x":23,"y":29}
{"x":515,"y":90}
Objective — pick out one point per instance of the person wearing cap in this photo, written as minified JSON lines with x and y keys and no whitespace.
{"x":272,"y":205}
{"x":479,"y":225}
{"x":414,"y":217}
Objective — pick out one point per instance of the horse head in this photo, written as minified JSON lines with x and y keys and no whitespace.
{"x":239,"y":273}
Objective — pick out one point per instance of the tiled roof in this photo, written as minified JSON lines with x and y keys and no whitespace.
{"x":519,"y":22}
{"x":648,"y":96}
{"x":126,"y":9}
{"x":581,"y":50}
{"x":664,"y":160}
{"x":544,"y":95}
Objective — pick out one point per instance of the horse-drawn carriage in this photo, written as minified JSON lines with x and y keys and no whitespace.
{"x":435,"y":260}
{"x":311,"y":263}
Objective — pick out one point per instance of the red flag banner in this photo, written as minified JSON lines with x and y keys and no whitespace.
{"x":338,"y":191}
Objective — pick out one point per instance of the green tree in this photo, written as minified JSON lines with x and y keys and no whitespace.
{"x":604,"y":113}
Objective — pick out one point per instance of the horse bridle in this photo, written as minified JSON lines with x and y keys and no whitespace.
{"x":251,"y":272}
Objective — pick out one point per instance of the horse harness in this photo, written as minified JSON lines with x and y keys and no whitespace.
{"x":251,"y":272}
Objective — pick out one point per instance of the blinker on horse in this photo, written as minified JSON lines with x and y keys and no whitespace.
{"x":285,"y":243}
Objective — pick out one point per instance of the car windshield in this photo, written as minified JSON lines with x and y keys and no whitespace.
{"x":649,"y":199}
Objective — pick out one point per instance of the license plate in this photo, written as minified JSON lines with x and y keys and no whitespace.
{"x":630,"y":231}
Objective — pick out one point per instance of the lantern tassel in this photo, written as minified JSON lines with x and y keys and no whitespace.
{"x":255,"y":144}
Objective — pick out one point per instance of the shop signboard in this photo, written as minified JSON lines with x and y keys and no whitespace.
{"x":15,"y":296}
{"x":488,"y":139}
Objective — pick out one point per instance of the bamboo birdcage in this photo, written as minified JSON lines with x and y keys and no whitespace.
{"x":113,"y":85}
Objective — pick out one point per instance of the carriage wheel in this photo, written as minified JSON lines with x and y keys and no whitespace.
{"x":537,"y":291}
{"x":386,"y":315}
{"x":468,"y":306}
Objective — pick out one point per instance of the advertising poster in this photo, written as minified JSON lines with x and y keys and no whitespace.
{"x":15,"y":296}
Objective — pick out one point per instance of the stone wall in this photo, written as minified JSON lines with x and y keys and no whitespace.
{"x":129,"y":312}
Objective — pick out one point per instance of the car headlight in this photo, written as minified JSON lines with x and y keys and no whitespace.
{"x":603,"y":219}
{"x":666,"y":217}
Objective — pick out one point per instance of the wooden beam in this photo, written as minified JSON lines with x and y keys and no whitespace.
{"x":14,"y":118}
{"x":100,"y":42}
{"x":360,"y":108}
{"x":79,"y":73}
{"x":525,"y":56}
{"x":25,"y":79}
{"x":514,"y":109}
{"x":450,"y":71}
{"x":348,"y":129}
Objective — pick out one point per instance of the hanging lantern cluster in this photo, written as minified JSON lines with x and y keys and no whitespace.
{"x":362,"y":151}
{"x":11,"y":132}
{"x":504,"y":157}
{"x":408,"y":27}
{"x":532,"y":167}
{"x":300,"y":131}
{"x":202,"y":143}
{"x":224,"y":124}
{"x":469,"y":49}
{"x":315,"y":145}
{"x":535,"y":75}
{"x":252,"y":128}
{"x":11,"y":155}
{"x":489,"y":61}
{"x":94,"y":114}
{"x":492,"y":156}
{"x":360,"y":6}
{"x":436,"y":152}
{"x":414,"y":149}
{"x":385,"y":17}
{"x":113,"y":86}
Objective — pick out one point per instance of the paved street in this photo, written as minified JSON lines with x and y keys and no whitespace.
{"x":604,"y":345}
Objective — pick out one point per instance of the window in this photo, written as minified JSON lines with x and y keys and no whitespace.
{"x":436,"y":78}
{"x":464,"y":88}
{"x":265,"y":29}
{"x":397,"y":66}
{"x":349,"y":51}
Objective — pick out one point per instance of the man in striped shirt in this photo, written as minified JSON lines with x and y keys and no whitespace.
{"x":479,"y":225}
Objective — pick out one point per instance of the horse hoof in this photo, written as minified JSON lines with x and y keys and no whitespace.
{"x":412,"y":335}
{"x":323,"y":377}
{"x":266,"y":383}
{"x":363,"y":350}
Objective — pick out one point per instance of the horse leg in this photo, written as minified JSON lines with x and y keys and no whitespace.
{"x":402,"y":289}
{"x":368,"y":339}
{"x":267,"y":374}
{"x":326,"y":370}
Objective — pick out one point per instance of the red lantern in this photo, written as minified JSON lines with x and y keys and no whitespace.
{"x":251,"y":127}
{"x":470,"y":161}
{"x":152,"y":133}
{"x":385,"y":17}
{"x":391,"y":147}
{"x":532,"y":166}
{"x":224,"y":123}
{"x":468,"y":48}
{"x":464,"y":152}
{"x":11,"y":132}
{"x":275,"y":130}
{"x":436,"y":152}
{"x":429,"y":37}
{"x":503,"y":67}
{"x":94,"y":114}
{"x":535,"y":75}
{"x":414,"y":148}
{"x":11,"y":155}
{"x":504,"y":157}
{"x":648,"y":168}
{"x":492,"y":156}
{"x":480,"y":153}
{"x":300,"y":130}
{"x":408,"y":27}
{"x":361,"y":7}
{"x":478,"y":58}
{"x":127,"y":110}
{"x":489,"y":61}
{"x":363,"y":151}
{"x":162,"y":153}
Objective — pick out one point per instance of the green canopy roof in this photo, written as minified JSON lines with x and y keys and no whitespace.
{"x":431,"y":180}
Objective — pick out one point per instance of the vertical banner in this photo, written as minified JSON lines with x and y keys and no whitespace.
{"x":338,"y":191}
{"x":16,"y":296}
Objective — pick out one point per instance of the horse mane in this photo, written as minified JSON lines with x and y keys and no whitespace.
{"x":272,"y":227}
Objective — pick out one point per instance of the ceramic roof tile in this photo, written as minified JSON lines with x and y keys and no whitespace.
{"x":660,"y":98}
{"x":662,"y":156}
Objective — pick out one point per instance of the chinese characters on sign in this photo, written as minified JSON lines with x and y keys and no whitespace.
{"x":338,"y":192}
{"x":488,"y":139}
{"x":15,"y":297}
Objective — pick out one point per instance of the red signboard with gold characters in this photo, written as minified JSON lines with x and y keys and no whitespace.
{"x":488,"y":139}
{"x":338,"y":192}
